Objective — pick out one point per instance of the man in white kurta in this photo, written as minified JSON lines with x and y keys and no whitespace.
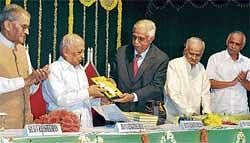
{"x":187,"y":86}
{"x":229,"y":76}
{"x":67,"y":85}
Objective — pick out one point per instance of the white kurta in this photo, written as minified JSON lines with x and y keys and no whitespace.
{"x":67,"y":88}
{"x":186,"y":89}
{"x":231,"y":100}
{"x":7,"y":85}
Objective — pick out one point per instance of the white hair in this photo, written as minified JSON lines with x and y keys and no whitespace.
{"x":148,"y":25}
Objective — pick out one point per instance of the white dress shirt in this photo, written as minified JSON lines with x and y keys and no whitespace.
{"x":7,"y":84}
{"x":67,"y":88}
{"x":186,"y":88}
{"x":230,"y":100}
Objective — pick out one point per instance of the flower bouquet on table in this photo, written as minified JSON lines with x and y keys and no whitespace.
{"x":69,"y":121}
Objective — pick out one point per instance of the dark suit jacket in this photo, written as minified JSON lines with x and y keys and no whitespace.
{"x":149,"y":81}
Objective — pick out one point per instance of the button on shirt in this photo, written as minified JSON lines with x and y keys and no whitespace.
{"x":230,"y":100}
{"x":67,"y":88}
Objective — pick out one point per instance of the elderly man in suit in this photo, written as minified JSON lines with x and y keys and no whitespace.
{"x":140,"y":69}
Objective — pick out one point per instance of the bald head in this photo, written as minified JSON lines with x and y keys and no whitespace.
{"x":72,"y":48}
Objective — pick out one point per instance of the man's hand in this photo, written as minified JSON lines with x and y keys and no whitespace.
{"x":105,"y":101}
{"x":124,"y":98}
{"x":242,"y":76}
{"x":36,"y":76}
{"x":41,"y":74}
{"x":95,"y":91}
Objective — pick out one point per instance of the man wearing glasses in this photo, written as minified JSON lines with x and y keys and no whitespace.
{"x":139,"y":69}
{"x":15,"y":62}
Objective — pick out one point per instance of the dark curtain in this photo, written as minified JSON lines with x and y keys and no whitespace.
{"x":176,"y":20}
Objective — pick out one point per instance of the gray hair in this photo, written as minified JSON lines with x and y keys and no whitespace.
{"x":10,"y":12}
{"x":69,"y":40}
{"x":237,"y":32}
{"x":149,"y":26}
{"x":195,"y":39}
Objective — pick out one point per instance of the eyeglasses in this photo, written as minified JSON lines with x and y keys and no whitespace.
{"x":139,"y":38}
{"x":23,"y":26}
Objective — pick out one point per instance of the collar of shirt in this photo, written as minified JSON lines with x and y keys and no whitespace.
{"x":188,"y":65}
{"x":143,"y":54}
{"x":67,"y":66}
{"x":228,"y":57}
{"x":6,"y":42}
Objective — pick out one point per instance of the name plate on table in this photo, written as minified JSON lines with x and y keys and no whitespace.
{"x":129,"y":127}
{"x":42,"y":129}
{"x":245,"y":123}
{"x":190,"y":125}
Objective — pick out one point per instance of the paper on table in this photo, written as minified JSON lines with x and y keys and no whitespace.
{"x":111,"y":113}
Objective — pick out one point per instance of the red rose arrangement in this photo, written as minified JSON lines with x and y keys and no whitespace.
{"x":68,"y":120}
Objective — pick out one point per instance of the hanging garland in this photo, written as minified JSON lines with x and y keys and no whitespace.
{"x":119,"y":24}
{"x":7,"y":2}
{"x":71,"y":16}
{"x":87,"y":3}
{"x":107,"y":42}
{"x":55,"y":30}
{"x":39,"y":34}
{"x":108,"y":4}
{"x":84,"y":22}
{"x":84,"y":26}
{"x":96,"y":31}
{"x":25,"y":4}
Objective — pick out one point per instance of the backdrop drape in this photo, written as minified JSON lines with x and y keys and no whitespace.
{"x":176,"y":20}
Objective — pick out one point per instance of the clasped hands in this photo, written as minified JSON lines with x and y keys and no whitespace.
{"x":241,"y":77}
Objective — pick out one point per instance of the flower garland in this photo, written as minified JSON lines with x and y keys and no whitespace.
{"x":71,"y":16}
{"x":96,"y":31}
{"x":107,"y":42}
{"x":119,"y":24}
{"x":55,"y":30}
{"x":7,"y":2}
{"x":25,"y":4}
{"x":87,"y":3}
{"x":39,"y":34}
{"x":84,"y":21}
{"x":108,"y":4}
